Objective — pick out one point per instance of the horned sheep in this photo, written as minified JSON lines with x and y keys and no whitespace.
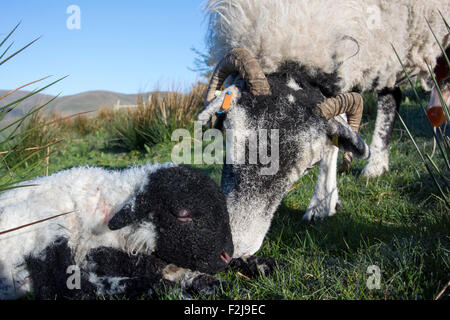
{"x":284,"y":62}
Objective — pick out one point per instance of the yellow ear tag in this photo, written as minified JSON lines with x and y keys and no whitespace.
{"x":335,"y":141}
{"x":227,"y":101}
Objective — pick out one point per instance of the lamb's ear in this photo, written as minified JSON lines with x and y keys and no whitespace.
{"x":340,"y":133}
{"x":122,"y":218}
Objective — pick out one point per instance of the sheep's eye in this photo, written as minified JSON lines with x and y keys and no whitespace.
{"x":184,"y":215}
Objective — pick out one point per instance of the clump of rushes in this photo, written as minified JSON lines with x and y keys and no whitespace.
{"x":17,"y":136}
{"x":34,"y":142}
{"x":79,"y":124}
{"x":154,"y":119}
{"x":439,"y":169}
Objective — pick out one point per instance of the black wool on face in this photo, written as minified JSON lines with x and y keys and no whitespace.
{"x":189,"y":212}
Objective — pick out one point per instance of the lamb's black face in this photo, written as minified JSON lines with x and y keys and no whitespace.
{"x":189,"y":213}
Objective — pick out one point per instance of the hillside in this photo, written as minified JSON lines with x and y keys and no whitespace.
{"x":85,"y":101}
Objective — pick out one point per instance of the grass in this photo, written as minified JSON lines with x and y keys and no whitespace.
{"x":440,"y":172}
{"x":22,"y":140}
{"x":32,"y":145}
{"x":393,"y":221}
{"x":153,"y":121}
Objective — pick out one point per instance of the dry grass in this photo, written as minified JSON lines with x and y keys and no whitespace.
{"x":79,"y":124}
{"x":154,"y":119}
{"x":151,"y":122}
{"x":32,"y":142}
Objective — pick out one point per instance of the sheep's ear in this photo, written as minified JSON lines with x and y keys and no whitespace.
{"x":216,"y":107}
{"x":122,"y":218}
{"x":343,"y":136}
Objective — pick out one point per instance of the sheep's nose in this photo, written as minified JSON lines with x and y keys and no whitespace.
{"x":225,"y":257}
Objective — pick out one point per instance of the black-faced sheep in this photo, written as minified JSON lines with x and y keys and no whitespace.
{"x":282,"y":59}
{"x":127,"y":230}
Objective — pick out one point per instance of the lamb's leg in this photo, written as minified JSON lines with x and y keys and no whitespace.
{"x":107,"y":261}
{"x":388,"y":103}
{"x":49,"y":274}
{"x":155,"y":274}
{"x":117,"y":273}
{"x":109,"y":272}
{"x":325,"y":200}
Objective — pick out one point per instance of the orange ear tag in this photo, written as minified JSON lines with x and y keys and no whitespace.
{"x":227,"y":101}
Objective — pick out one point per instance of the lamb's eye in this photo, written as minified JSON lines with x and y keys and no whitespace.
{"x":184,"y":215}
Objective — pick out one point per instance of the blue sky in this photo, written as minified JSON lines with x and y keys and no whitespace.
{"x":124,"y":46}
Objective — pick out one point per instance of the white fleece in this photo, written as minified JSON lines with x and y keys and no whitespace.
{"x":352,"y":37}
{"x":93,"y":194}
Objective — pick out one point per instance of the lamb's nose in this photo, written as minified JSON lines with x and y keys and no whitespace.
{"x":225,"y":257}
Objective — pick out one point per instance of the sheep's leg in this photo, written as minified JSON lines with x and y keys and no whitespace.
{"x":115,"y":272}
{"x":109,"y":272}
{"x":49,"y":274}
{"x":325,"y":200}
{"x":112,"y":272}
{"x":107,"y":261}
{"x":388,"y":103}
{"x":146,"y":274}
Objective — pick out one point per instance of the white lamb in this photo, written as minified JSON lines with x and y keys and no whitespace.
{"x":174,"y":213}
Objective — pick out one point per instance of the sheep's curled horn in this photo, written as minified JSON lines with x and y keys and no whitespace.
{"x":240,"y":61}
{"x":352,"y":105}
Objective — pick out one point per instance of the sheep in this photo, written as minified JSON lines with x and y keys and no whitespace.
{"x":124,"y":230}
{"x":283,"y":61}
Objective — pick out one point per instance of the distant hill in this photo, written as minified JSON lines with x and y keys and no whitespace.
{"x":65,"y":105}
